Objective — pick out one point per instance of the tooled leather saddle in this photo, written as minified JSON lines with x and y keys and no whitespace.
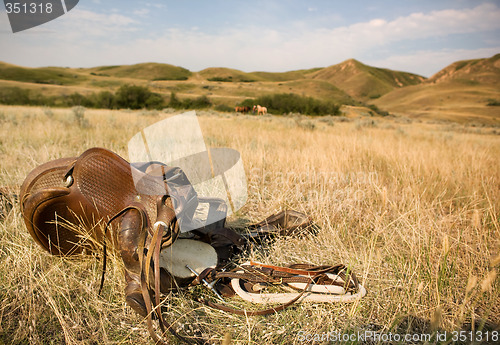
{"x":74,"y":205}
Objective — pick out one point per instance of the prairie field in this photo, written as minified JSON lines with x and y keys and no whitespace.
{"x":412,"y":207}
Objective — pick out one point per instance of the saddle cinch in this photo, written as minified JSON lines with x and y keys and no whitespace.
{"x":73,"y":205}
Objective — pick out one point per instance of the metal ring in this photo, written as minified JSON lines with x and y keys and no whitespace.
{"x":158,"y":223}
{"x":68,"y":181}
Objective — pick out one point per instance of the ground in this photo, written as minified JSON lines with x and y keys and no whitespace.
{"x":411,"y":206}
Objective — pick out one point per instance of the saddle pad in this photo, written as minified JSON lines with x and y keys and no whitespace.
{"x":195,"y":254}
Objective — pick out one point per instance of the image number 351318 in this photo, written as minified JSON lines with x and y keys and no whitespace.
{"x":32,"y":7}
{"x":27,"y":14}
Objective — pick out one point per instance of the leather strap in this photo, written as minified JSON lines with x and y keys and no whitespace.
{"x":158,"y":241}
{"x":134,"y":206}
{"x":245,"y":312}
{"x":307,"y":270}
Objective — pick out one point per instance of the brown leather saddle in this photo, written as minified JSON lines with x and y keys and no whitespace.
{"x":74,"y":205}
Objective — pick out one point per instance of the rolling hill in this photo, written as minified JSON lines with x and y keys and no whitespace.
{"x":227,"y":75}
{"x":286,"y":76}
{"x":365,"y":82}
{"x":465,"y":91}
{"x":147,"y":71}
{"x":478,"y":71}
{"x":43,"y":75}
{"x":459,"y":92}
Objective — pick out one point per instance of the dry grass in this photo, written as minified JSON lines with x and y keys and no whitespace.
{"x":413,"y":209}
{"x":449,"y":101}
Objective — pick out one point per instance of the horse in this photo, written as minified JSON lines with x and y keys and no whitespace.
{"x":260,"y":110}
{"x":242,"y":109}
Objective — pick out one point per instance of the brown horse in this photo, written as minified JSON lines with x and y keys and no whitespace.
{"x":242,"y":109}
{"x":260,"y":110}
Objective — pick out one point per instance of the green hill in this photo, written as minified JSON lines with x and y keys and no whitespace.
{"x":285,"y":76}
{"x":147,"y":71}
{"x":234,"y":75}
{"x":43,"y":75}
{"x":316,"y":88}
{"x":365,"y":82}
{"x":223,"y":74}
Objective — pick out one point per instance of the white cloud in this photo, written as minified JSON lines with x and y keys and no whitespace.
{"x":260,"y":48}
{"x":92,"y":23}
{"x":81,"y":24}
{"x":156,"y":4}
{"x":141,"y":12}
{"x":439,"y":23}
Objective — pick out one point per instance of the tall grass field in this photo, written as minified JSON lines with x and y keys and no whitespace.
{"x":411,"y":207}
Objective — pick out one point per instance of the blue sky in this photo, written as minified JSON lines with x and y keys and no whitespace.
{"x":415,"y":36}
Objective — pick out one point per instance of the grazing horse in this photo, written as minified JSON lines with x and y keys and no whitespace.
{"x":242,"y":109}
{"x":260,"y":110}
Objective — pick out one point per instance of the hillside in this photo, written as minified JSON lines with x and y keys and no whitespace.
{"x":316,"y":88}
{"x":233,"y":75}
{"x":460,"y":92}
{"x":148,"y":71}
{"x":483,"y":71}
{"x":285,"y":76}
{"x":43,"y":75}
{"x":365,"y":82}
{"x":227,"y":75}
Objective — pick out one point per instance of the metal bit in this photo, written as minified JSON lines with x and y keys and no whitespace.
{"x":207,"y":284}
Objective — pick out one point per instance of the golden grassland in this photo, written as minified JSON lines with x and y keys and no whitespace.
{"x":453,"y":101}
{"x":412,"y":207}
